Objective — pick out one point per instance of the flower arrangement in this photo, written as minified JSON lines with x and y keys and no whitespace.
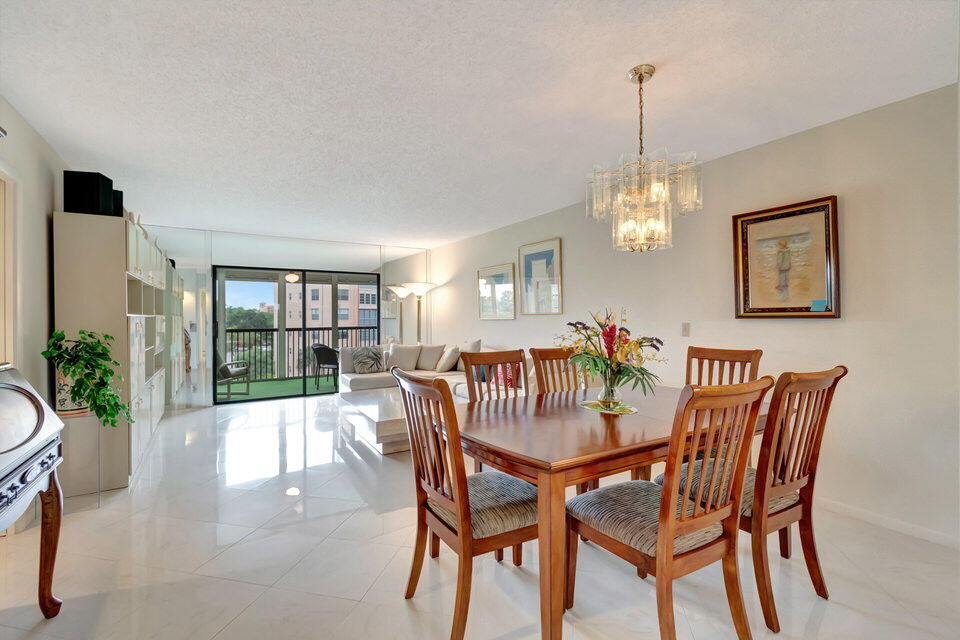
{"x":605,"y":349}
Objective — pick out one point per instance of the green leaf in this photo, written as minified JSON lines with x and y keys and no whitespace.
{"x":88,"y":365}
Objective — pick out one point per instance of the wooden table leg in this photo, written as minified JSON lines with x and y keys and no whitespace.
{"x":51,"y":506}
{"x":552,"y":522}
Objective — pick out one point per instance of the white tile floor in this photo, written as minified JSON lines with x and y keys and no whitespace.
{"x":257,"y":521}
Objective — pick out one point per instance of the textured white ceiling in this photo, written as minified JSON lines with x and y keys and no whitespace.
{"x":415,"y":123}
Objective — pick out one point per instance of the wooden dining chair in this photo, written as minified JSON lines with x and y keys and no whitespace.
{"x":784,"y":478}
{"x":554,"y":371}
{"x":476,"y":514}
{"x":780,"y":492}
{"x":722,"y":366}
{"x":667,"y":533}
{"x":494,"y":375}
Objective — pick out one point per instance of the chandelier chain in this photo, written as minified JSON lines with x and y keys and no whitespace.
{"x":640,"y":102}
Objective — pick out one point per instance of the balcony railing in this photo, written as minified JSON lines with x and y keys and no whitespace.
{"x":259,"y":348}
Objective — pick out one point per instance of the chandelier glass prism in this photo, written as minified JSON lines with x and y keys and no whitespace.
{"x":646,"y":190}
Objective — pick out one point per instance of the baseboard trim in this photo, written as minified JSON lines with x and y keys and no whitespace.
{"x":894,"y":524}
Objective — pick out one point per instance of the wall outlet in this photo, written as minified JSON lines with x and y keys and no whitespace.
{"x":685,"y":329}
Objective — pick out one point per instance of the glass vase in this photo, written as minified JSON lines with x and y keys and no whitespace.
{"x":609,"y":397}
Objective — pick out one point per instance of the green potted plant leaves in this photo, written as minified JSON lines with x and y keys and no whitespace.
{"x":88,"y":366}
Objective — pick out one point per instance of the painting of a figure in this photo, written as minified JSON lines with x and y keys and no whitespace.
{"x":540,"y":265}
{"x":786,"y":261}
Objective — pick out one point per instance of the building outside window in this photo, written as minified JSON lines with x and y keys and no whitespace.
{"x":343,"y":293}
{"x":343,"y":315}
{"x":314,"y":314}
{"x":314,"y":294}
{"x":368,"y":317}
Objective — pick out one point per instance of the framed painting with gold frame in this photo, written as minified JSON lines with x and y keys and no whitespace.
{"x":786,"y":261}
{"x":496,"y":292}
{"x":541,"y":285}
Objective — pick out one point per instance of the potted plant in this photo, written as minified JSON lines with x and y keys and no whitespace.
{"x":606,"y":350}
{"x":88,"y":366}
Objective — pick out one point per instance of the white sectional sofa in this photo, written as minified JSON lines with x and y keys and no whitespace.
{"x":403,"y":356}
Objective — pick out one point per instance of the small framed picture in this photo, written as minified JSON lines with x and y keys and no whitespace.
{"x":540,"y":278}
{"x":496,"y":292}
{"x":786,"y":261}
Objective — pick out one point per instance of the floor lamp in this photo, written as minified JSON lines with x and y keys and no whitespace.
{"x":418,"y":289}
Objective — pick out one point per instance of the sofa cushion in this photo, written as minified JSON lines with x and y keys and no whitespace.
{"x":449,"y":359}
{"x":368,"y":359}
{"x":363,"y":381}
{"x":346,"y":360}
{"x":346,"y":357}
{"x":429,"y":356}
{"x":471,"y":346}
{"x":404,"y":356}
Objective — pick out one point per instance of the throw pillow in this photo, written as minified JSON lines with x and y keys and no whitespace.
{"x":469,"y":347}
{"x":505,"y":377}
{"x":429,"y":356}
{"x":404,"y":356}
{"x":449,"y":359}
{"x":368,"y":359}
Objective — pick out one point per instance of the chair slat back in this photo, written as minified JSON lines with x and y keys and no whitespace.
{"x":794,"y":431}
{"x":720,"y":421}
{"x":722,"y":366}
{"x":555,"y":372}
{"x":434,"y":434}
{"x":490,"y":374}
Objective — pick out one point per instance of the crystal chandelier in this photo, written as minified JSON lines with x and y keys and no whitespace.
{"x":646,"y":190}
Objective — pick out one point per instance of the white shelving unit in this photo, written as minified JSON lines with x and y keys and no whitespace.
{"x":110,"y":277}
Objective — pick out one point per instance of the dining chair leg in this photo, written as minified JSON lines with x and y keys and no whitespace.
{"x":640,"y":473}
{"x":498,"y":554}
{"x":572,"y":544}
{"x":434,"y":545}
{"x":462,"y":603}
{"x":664,"y":585}
{"x":809,"y":546}
{"x":731,"y":580}
{"x":418,"y":553}
{"x":784,"y":542}
{"x":761,"y":570}
{"x":518,"y":554}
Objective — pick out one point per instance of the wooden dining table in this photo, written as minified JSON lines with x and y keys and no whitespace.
{"x":550,"y":440}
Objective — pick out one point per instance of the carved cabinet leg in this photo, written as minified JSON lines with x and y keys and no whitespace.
{"x":51,"y":503}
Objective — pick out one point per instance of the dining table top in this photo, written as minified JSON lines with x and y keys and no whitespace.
{"x":551,"y":431}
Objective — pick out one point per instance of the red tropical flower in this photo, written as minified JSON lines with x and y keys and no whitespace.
{"x":609,"y":335}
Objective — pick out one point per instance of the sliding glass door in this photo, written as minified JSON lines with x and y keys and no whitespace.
{"x":277,"y":331}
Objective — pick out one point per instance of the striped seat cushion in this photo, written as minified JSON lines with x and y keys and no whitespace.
{"x":629,"y":512}
{"x":498,"y":503}
{"x":749,"y":482}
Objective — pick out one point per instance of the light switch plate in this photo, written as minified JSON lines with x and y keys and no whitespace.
{"x":685,"y":329}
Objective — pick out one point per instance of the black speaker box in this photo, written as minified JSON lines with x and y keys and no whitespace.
{"x":117,"y":203}
{"x":88,"y":192}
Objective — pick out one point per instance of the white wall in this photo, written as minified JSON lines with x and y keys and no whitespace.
{"x":891,"y":449}
{"x":36,"y":173}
